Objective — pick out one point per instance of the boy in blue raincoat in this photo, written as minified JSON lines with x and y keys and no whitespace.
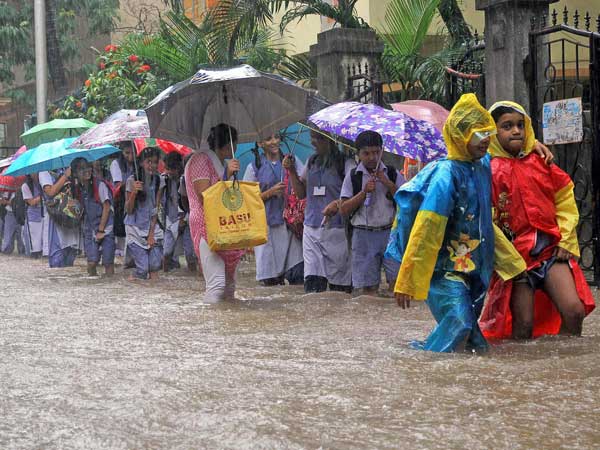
{"x":444,"y":235}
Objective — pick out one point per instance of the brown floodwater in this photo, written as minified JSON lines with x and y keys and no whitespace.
{"x":91,"y":363}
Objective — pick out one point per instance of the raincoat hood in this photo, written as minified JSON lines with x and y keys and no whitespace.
{"x":496,"y":149}
{"x":466,"y":118}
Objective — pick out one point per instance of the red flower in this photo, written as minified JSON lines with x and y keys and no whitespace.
{"x":88,"y":83}
{"x":102,"y":66}
{"x":144,"y":68}
{"x":110,"y":48}
{"x":78,"y":104}
{"x":133,"y":58}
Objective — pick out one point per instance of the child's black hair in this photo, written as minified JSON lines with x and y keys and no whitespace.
{"x":148,"y":152}
{"x":500,"y":110}
{"x":221,"y":135}
{"x":173,"y":161}
{"x":368,"y":139}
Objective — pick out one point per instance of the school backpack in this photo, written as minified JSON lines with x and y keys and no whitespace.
{"x":19,"y":207}
{"x":356,"y":178}
{"x":65,"y":209}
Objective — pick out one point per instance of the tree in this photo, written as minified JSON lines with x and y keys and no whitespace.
{"x":453,"y":18}
{"x":119,"y":83}
{"x":182,"y":46}
{"x":343,"y":14}
{"x":62,"y":34}
{"x":406,"y":26}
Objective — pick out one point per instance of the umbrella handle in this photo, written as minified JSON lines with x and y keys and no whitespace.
{"x":135,"y":164}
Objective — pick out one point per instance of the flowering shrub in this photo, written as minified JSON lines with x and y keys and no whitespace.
{"x":117,"y":84}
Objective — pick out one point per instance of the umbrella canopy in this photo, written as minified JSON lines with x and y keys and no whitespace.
{"x":125,"y":128}
{"x":55,"y":155}
{"x":165,"y":146}
{"x":401,"y":134}
{"x":122,"y":114}
{"x":257,"y":104}
{"x":294,"y":139}
{"x":54,"y":130}
{"x":10,"y":184}
{"x":8,"y":161}
{"x":425,"y":110}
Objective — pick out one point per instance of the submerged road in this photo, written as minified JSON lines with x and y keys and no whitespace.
{"x":90,"y":363}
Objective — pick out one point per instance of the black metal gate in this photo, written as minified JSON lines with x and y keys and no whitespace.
{"x":564,"y":62}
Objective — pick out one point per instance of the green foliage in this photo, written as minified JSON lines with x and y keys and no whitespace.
{"x":16,"y":31}
{"x":406,"y":26}
{"x":119,"y":83}
{"x":181,"y":47}
{"x":300,"y":69}
{"x":343,"y":14}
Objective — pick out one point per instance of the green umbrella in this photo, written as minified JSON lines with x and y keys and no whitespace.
{"x":54,"y":130}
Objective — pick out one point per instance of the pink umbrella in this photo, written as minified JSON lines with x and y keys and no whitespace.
{"x":424,"y":110}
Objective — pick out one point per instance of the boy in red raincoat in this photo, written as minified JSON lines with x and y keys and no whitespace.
{"x":534,"y":205}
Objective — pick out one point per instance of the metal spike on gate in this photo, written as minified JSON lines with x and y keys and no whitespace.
{"x":565,"y":15}
{"x":544,"y":21}
{"x":476,"y":36}
{"x":598,"y":23}
{"x":532,"y":22}
{"x":366,"y":69}
{"x":554,"y":14}
{"x":353,"y":69}
{"x":576,"y":19}
{"x":587,"y":20}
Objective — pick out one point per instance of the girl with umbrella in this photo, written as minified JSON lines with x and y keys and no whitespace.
{"x":325,"y":248}
{"x":144,"y":236}
{"x":98,"y":237}
{"x":204,"y":169}
{"x":63,"y":242}
{"x":281,"y":256}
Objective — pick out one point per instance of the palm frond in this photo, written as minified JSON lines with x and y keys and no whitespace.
{"x":407,"y":22}
{"x":300,"y":69}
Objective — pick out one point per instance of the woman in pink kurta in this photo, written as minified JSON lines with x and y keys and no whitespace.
{"x":204,"y":169}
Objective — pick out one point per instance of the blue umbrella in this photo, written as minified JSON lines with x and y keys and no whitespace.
{"x":294,"y":139}
{"x":55,"y":155}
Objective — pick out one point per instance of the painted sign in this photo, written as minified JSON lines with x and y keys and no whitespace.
{"x":563,"y":121}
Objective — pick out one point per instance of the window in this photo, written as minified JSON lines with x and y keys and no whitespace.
{"x":2,"y":134}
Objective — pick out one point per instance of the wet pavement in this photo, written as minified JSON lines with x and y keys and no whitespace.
{"x":91,"y":363}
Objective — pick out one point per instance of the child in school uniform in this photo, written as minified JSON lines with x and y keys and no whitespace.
{"x":96,"y":199}
{"x":33,"y":232}
{"x":324,"y":245}
{"x":121,"y":168}
{"x":177,"y":235}
{"x":368,"y":198}
{"x":63,"y":242}
{"x":281,"y":257}
{"x":12,"y":230}
{"x":535,"y":208}
{"x":144,"y":235}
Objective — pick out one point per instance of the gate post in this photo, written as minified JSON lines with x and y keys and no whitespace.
{"x":595,"y":124}
{"x":335,"y":51}
{"x":507,"y":25}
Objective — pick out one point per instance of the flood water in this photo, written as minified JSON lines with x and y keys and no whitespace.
{"x":95,"y":364}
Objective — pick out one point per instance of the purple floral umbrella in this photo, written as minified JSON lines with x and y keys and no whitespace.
{"x":402,"y":135}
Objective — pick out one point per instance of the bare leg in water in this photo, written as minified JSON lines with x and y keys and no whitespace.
{"x":560,"y":287}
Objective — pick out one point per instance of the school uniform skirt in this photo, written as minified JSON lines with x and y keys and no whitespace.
{"x":33,"y":236}
{"x":326,"y":254}
{"x":282,"y":251}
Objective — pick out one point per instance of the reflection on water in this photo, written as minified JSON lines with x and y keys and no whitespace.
{"x":91,"y":363}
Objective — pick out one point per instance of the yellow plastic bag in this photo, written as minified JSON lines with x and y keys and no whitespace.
{"x":235,"y":216}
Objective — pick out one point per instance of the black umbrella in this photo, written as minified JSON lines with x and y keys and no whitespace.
{"x":257,"y":104}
